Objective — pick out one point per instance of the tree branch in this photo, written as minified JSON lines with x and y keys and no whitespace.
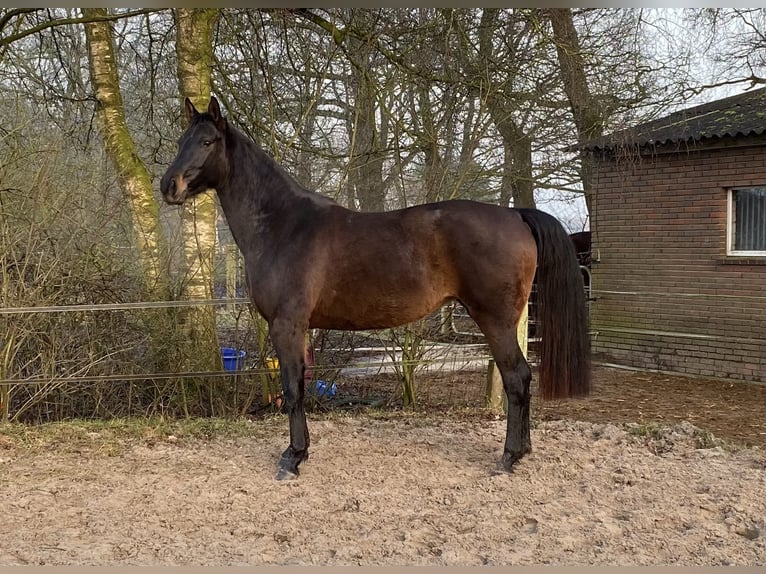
{"x":753,"y":79}
{"x":66,"y":21}
{"x":15,"y":12}
{"x":337,"y":34}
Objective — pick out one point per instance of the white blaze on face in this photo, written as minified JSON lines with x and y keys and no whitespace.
{"x":181,"y":185}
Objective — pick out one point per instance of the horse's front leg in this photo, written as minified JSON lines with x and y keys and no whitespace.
{"x":288,"y":338}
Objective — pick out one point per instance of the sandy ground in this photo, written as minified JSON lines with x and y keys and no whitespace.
{"x":732,"y":410}
{"x":398,"y":490}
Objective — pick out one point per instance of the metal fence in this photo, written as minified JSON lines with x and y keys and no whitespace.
{"x":445,"y":345}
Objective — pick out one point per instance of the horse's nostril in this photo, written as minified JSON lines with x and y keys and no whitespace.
{"x":172,"y":185}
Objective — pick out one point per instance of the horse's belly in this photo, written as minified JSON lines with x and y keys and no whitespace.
{"x":374,"y":310}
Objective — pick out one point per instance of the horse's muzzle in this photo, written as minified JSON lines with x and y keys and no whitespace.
{"x":173,"y":189}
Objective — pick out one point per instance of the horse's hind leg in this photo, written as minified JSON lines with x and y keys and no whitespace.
{"x":289,"y":341}
{"x":516,"y":375}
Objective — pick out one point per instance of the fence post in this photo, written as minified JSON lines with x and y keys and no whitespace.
{"x":232,"y":263}
{"x":446,"y":319}
{"x":496,"y":398}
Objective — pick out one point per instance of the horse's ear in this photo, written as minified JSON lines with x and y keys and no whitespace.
{"x":215,"y":112}
{"x":190,"y":110}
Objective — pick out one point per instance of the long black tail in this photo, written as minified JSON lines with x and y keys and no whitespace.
{"x":562,"y":316}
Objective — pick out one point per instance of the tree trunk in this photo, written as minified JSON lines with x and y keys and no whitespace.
{"x":517,"y":179}
{"x":585,"y":108}
{"x":433,"y":163}
{"x":134,"y":178}
{"x":366,"y":169}
{"x":194,"y":52}
{"x":517,"y":182}
{"x":303,"y":172}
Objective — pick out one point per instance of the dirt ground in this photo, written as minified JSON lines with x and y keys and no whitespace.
{"x":731,"y":410}
{"x":735,"y":411}
{"x":637,"y":474}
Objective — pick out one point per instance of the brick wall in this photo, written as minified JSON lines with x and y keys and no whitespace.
{"x":668,"y":297}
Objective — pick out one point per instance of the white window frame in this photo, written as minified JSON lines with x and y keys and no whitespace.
{"x":730,"y":230}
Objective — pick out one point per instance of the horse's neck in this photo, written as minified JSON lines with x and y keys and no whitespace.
{"x":259,"y":196}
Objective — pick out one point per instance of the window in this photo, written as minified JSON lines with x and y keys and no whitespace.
{"x":747,"y":221}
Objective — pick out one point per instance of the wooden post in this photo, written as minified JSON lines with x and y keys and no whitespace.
{"x":522,"y":331}
{"x":496,"y":398}
{"x":446,"y":319}
{"x":495,"y":394}
{"x":231,"y":272}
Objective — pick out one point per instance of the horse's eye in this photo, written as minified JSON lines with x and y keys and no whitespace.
{"x":206,"y":143}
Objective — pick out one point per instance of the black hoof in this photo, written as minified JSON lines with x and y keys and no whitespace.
{"x":288,"y":463}
{"x":284,"y":474}
{"x":510,"y":459}
{"x":507,"y":466}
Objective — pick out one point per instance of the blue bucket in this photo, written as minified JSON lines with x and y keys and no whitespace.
{"x":232,"y":359}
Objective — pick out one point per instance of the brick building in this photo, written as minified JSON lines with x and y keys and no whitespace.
{"x":678,"y":223}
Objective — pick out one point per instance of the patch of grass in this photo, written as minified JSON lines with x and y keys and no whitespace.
{"x":417,"y":417}
{"x":645,"y":430}
{"x":705,"y":439}
{"x":701,"y":438}
{"x":111,"y":436}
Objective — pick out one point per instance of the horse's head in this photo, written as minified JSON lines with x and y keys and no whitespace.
{"x":201,"y":162}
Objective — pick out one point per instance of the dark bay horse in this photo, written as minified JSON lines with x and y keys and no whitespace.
{"x":311,"y":263}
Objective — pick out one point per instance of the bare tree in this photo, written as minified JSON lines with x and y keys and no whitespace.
{"x":503,"y":36}
{"x":734,"y":43}
{"x":586,"y":110}
{"x":134,"y":178}
{"x":194,"y":51}
{"x":365,"y":170}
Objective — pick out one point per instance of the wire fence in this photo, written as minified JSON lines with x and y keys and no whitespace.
{"x":36,"y":386}
{"x":447,"y":344}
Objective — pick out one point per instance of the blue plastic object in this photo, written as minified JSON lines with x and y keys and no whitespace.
{"x":326,"y":389}
{"x":232,"y":359}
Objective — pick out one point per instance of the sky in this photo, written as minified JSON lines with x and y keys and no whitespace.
{"x":671,"y":34}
